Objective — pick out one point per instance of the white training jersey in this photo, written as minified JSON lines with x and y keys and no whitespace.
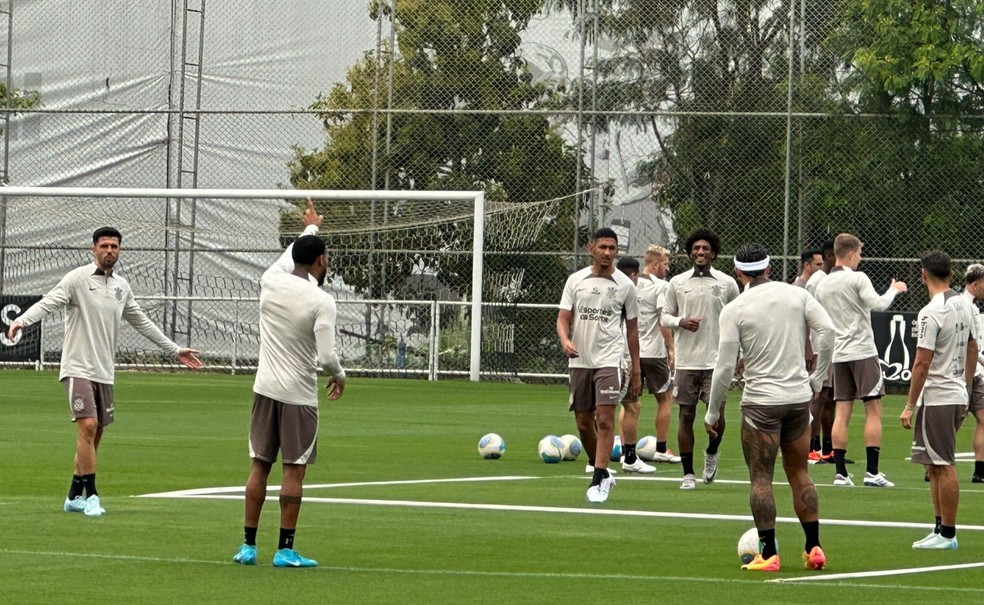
{"x":769,"y":324}
{"x":815,"y":278}
{"x":596,"y":304}
{"x":96,"y":305}
{"x":297,"y":335}
{"x":979,"y":317}
{"x":946,"y":325}
{"x":651,"y":292}
{"x":692,"y":295}
{"x":849,"y":298}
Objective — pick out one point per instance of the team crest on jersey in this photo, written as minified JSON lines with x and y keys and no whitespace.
{"x":612,"y":292}
{"x":119,"y":294}
{"x":717,"y":290}
{"x":595,"y":291}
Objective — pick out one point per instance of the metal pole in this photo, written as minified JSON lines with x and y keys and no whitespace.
{"x":478,"y":242}
{"x":594,"y":115}
{"x":789,"y":144}
{"x":5,"y":177}
{"x":580,"y":137}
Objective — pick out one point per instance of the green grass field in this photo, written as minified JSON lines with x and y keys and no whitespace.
{"x":387,"y":529}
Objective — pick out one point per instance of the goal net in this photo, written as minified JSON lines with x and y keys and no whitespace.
{"x":194,"y":259}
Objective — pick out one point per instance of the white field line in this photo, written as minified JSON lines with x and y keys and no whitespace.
{"x":240,"y":489}
{"x":875,"y":574}
{"x":467,"y":572}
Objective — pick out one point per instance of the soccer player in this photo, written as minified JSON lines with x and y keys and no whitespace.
{"x":821,"y":440}
{"x":696,"y":297}
{"x":810,"y":260}
{"x":973,"y":291}
{"x":767,"y":326}
{"x":98,"y":301}
{"x":656,"y":347}
{"x":589,"y":326}
{"x":848,"y":297}
{"x":297,"y":337}
{"x":942,"y":374}
{"x":628,"y":419}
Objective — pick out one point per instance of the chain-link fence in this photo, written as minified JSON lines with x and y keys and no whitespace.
{"x":782,"y":122}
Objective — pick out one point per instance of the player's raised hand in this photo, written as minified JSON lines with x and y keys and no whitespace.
{"x":898,"y":285}
{"x":189,"y":357}
{"x":310,"y":216}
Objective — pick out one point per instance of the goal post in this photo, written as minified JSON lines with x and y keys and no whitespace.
{"x":178,"y":223}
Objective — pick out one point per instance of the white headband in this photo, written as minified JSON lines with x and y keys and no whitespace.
{"x":759,"y":265}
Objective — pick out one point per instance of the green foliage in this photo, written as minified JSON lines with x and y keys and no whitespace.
{"x":19,"y":99}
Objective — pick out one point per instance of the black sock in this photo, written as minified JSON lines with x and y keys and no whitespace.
{"x":713,"y":445}
{"x":939,"y":525}
{"x":628,"y":449}
{"x":812,"y":531}
{"x":89,"y":482}
{"x":839,"y":462}
{"x":687,"y":460}
{"x":250,"y":533}
{"x":873,"y":454}
{"x":828,"y":447}
{"x":286,"y":538}
{"x":767,"y":537}
{"x":815,"y":444}
{"x":75,"y":489}
{"x":599,"y":474}
{"x":979,"y":468}
{"x":661,"y":447}
{"x":948,"y":531}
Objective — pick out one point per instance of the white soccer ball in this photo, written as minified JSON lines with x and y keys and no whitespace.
{"x":749,"y":546}
{"x":572,"y":447}
{"x":646,"y":448}
{"x":551,"y":449}
{"x":616,"y":449}
{"x":491,"y":446}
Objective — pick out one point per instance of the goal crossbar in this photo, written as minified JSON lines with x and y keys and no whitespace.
{"x":476,"y":197}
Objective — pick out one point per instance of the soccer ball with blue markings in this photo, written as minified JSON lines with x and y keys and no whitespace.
{"x":749,"y":546}
{"x":551,"y":449}
{"x":616,"y":449}
{"x":491,"y":446}
{"x":572,"y":447}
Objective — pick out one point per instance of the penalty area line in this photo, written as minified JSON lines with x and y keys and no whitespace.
{"x":875,"y":574}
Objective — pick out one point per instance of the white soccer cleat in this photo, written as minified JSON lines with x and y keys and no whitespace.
{"x":666,"y":457}
{"x":76,"y":505}
{"x":878,"y":480}
{"x":92,"y":507}
{"x":689,"y":482}
{"x":599,"y":493}
{"x":588,"y":469}
{"x":932,"y":535}
{"x":710,"y":467}
{"x":843,"y":481}
{"x":936,"y":542}
{"x":638,"y":467}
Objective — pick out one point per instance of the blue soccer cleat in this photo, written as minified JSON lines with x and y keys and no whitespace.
{"x":287,"y":557}
{"x":246,"y":555}
{"x":77,"y":505}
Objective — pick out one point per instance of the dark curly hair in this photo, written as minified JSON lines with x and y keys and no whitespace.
{"x":707,"y":235}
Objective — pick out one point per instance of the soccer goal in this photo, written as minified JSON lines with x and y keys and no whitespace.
{"x":182,"y":247}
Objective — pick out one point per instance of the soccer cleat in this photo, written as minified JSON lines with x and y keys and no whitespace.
{"x":760,"y":564}
{"x":936,"y":542}
{"x":814,"y":457}
{"x":932,"y":535}
{"x":815,"y":559}
{"x":977,"y":479}
{"x":75,"y":506}
{"x":588,"y":469}
{"x":689,"y":482}
{"x":92,"y":507}
{"x":877,"y":480}
{"x":287,"y":557}
{"x":639,"y":466}
{"x":666,"y":456}
{"x":710,"y":467}
{"x":843,"y":481}
{"x":599,"y":493}
{"x":246,"y":555}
